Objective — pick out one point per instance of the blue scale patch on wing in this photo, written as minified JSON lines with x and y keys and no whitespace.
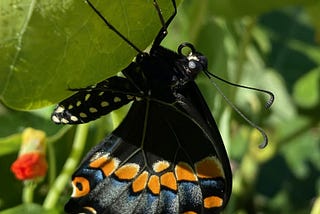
{"x":94,"y":101}
{"x":116,"y":192}
{"x":169,"y":201}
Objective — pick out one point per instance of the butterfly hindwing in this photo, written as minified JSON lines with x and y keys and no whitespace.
{"x":129,"y":178}
{"x":95,"y":101}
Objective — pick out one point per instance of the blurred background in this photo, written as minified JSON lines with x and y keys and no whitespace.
{"x":275,"y":46}
{"x":272,"y":47}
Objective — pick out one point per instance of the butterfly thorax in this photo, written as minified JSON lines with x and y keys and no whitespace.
{"x":163,"y":73}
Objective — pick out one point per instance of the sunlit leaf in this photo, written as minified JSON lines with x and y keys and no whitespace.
{"x":307,"y":89}
{"x":47,"y":47}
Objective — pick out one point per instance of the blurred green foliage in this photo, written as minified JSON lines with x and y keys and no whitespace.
{"x":274,"y":45}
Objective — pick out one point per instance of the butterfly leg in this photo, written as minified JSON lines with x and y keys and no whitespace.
{"x":163,"y":32}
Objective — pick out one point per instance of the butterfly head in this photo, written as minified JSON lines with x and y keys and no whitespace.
{"x":197,"y":62}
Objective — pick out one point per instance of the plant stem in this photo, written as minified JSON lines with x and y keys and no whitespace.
{"x":71,"y":163}
{"x":52,"y":164}
{"x":51,"y":153}
{"x":27,"y":192}
{"x":316,"y":206}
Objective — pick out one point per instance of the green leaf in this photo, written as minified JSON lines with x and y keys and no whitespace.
{"x":301,"y":151}
{"x":313,"y":12}
{"x":10,"y":144}
{"x":307,"y":88}
{"x":47,"y":47}
{"x":12,"y":122}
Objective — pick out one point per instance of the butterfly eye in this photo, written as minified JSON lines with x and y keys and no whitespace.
{"x":192,"y":65}
{"x":197,"y":62}
{"x":195,"y":66}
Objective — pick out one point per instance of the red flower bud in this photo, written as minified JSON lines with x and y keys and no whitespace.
{"x":30,"y":166}
{"x":31,"y":162}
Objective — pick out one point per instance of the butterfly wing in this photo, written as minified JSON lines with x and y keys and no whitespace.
{"x":195,"y":106}
{"x":94,"y":101}
{"x":159,"y":160}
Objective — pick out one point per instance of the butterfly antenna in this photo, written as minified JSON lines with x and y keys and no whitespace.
{"x":112,"y":27}
{"x":271,"y":95}
{"x":163,"y":31}
{"x":268,"y":104}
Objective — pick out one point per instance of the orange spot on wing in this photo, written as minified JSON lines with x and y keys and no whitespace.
{"x":160,"y":166}
{"x":212,"y":201}
{"x":184,"y":172}
{"x":190,"y":212}
{"x":127,"y":171}
{"x":168,"y":180}
{"x":140,"y":182}
{"x":81,"y":187}
{"x":154,"y":184}
{"x":106,"y":164}
{"x":209,"y":167}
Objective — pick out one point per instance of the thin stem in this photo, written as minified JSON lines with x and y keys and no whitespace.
{"x":316,"y":206}
{"x":28,"y":192}
{"x":52,"y":164}
{"x":68,"y":168}
{"x":51,"y":154}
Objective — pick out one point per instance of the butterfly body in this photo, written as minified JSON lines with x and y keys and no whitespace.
{"x":167,"y":155}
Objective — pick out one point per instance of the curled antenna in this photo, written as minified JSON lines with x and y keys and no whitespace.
{"x":268,"y":104}
{"x":271,"y":95}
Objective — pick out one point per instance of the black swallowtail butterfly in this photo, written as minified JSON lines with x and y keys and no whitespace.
{"x":167,"y":155}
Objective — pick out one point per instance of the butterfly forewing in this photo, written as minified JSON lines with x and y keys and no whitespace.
{"x":95,"y":101}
